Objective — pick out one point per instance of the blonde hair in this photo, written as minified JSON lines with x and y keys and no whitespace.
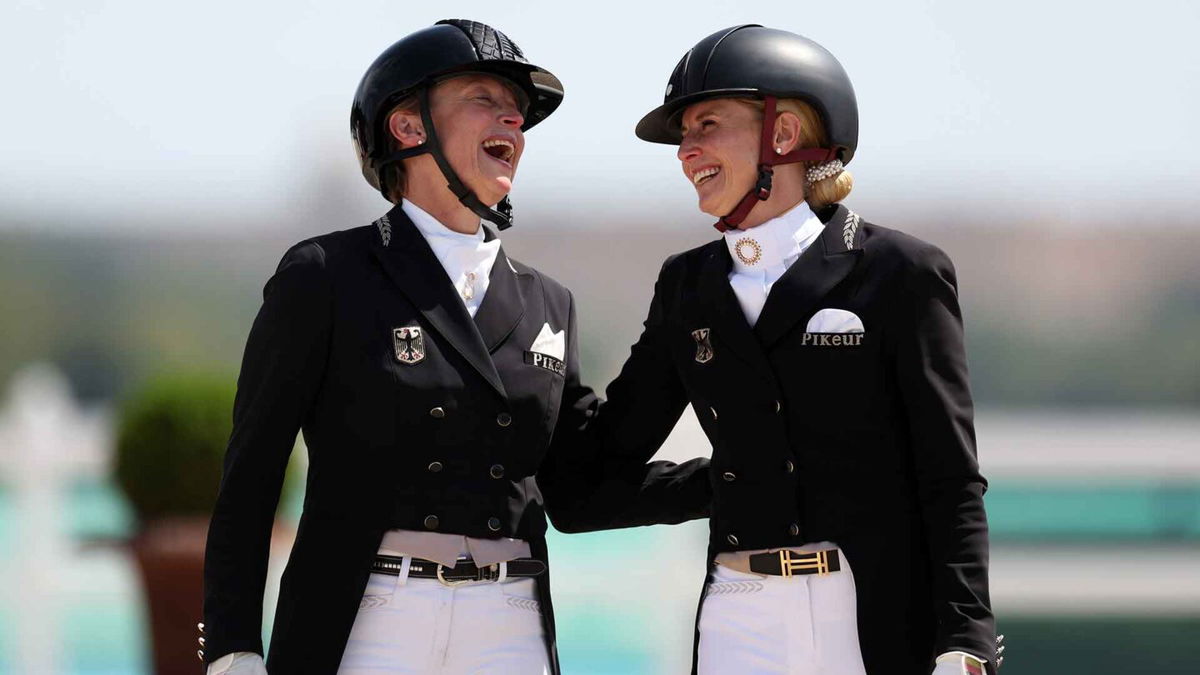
{"x":812,"y":135}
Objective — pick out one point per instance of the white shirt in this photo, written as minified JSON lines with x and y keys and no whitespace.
{"x":467,"y":258}
{"x":762,"y":254}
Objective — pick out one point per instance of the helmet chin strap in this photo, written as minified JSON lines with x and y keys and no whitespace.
{"x":766,"y":161}
{"x":501,"y":216}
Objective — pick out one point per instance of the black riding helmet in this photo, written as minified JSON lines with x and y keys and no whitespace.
{"x":409,"y":67}
{"x":755,"y":62}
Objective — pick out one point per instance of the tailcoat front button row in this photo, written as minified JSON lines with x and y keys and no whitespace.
{"x":778,"y":406}
{"x":494,"y":524}
{"x":729,"y":476}
{"x":732,"y":538}
{"x":504,"y":419}
{"x":200,"y":655}
{"x":497,"y":471}
{"x":435,"y":467}
{"x":431,"y":522}
{"x":201,"y":640}
{"x":438,"y":412}
{"x":794,"y":529}
{"x":789,"y":466}
{"x":713,"y":411}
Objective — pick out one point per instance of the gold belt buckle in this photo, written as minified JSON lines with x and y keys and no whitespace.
{"x":789,"y":565}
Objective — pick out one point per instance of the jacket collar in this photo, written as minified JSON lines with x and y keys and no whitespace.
{"x":504,"y":305}
{"x":818,"y":270}
{"x":411,"y":264}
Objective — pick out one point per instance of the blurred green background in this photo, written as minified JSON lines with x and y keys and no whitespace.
{"x":157,"y":162}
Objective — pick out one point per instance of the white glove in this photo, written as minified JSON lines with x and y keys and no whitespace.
{"x":958,"y":663}
{"x":942,"y":668}
{"x":238,"y":663}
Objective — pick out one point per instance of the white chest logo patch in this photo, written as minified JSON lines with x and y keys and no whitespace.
{"x":832,"y":327}
{"x":548,"y":350}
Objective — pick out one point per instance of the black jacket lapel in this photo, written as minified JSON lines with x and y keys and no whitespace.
{"x":818,"y":270}
{"x":414,"y":268}
{"x":503,"y":306}
{"x":729,"y":323}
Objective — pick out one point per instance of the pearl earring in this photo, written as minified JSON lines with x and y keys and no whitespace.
{"x":779,"y":151}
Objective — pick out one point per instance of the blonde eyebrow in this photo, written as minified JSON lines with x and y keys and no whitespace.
{"x":700,"y":118}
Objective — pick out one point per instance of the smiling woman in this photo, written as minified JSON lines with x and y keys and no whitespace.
{"x":486,"y":114}
{"x":719,"y":151}
{"x":405,"y":118}
{"x":848,"y":534}
{"x":437,"y":384}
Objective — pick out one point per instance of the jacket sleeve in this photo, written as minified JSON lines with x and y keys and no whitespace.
{"x":932,"y":373}
{"x":598,"y":473}
{"x":281,"y":370}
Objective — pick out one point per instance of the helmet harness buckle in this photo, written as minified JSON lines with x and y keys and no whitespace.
{"x":766,"y":161}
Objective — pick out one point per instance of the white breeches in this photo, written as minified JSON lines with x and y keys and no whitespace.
{"x":754,"y":624}
{"x":421,"y":627}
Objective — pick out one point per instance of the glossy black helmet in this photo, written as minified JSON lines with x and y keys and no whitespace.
{"x":754,"y":62}
{"x":448,"y":48}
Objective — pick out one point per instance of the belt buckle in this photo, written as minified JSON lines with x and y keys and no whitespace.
{"x":789,"y":565}
{"x":489,"y":573}
{"x":450,"y":582}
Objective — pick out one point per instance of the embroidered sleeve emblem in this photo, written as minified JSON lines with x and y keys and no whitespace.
{"x":704,"y":350}
{"x":385,"y":230}
{"x":850,"y":228}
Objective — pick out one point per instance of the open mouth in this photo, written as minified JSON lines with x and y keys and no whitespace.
{"x":705,"y":174}
{"x":499,"y":148}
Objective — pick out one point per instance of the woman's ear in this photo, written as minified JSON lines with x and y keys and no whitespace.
{"x":406,"y":127}
{"x":787,"y":132}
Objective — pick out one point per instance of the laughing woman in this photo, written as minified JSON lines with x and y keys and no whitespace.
{"x":824,"y":357}
{"x":429,"y":373}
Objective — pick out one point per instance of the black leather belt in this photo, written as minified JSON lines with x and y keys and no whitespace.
{"x":787,"y":563}
{"x":464,"y":571}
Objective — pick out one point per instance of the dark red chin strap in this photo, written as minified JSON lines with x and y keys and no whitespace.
{"x":766,"y":160}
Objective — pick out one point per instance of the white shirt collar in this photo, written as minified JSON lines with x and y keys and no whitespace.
{"x":778,"y":241}
{"x":467,"y":258}
{"x":431,"y":227}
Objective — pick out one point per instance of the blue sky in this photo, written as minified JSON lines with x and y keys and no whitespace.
{"x":1082,"y":110}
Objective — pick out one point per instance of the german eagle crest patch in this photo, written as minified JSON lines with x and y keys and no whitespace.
{"x":704,"y":350}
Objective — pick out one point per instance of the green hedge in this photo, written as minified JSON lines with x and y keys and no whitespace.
{"x":171,"y":440}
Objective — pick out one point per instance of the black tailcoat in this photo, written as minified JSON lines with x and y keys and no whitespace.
{"x":865,"y":441}
{"x":453,"y":433}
